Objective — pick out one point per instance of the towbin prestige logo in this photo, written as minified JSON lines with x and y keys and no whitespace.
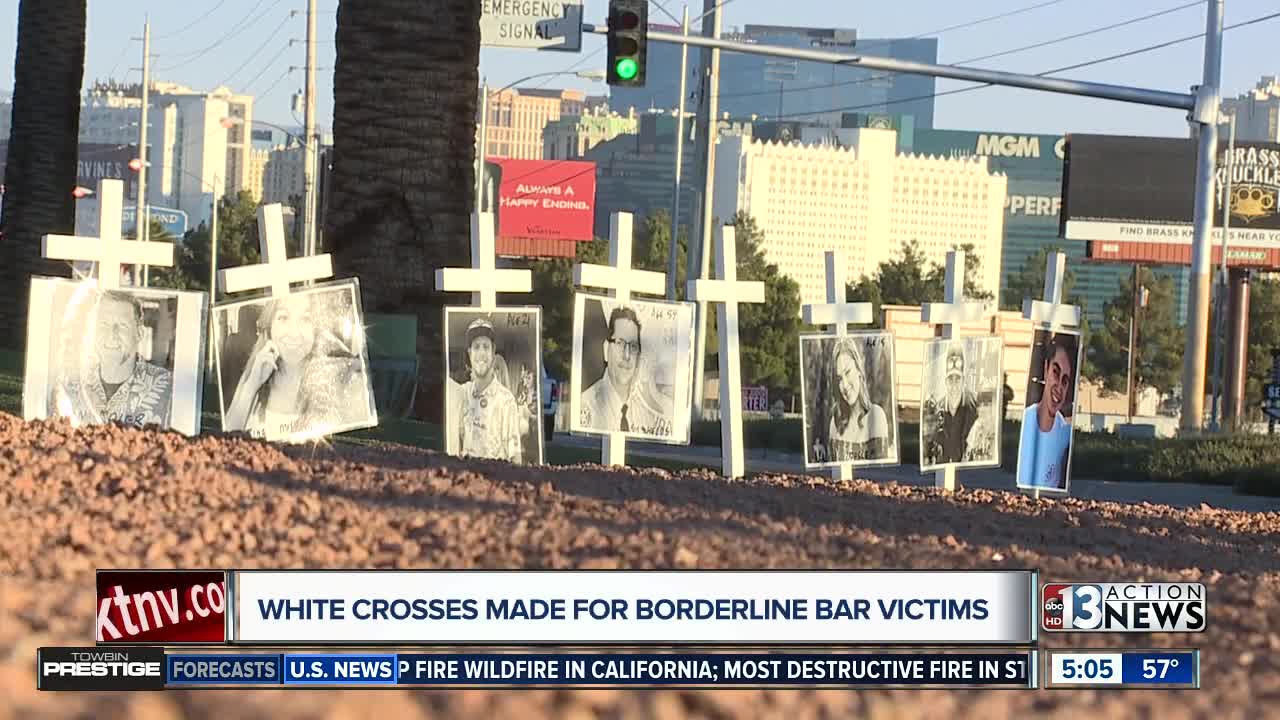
{"x":1122,"y":607}
{"x":96,"y":668}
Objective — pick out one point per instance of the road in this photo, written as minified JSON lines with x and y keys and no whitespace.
{"x":1185,"y":495}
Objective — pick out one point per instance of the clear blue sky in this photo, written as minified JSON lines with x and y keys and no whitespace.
{"x":259,"y":31}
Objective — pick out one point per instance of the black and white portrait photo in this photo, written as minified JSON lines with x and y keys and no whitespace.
{"x":295,"y":368}
{"x":493,"y":400}
{"x":848,"y":386}
{"x":632,"y":368}
{"x":131,"y":356}
{"x":960,"y":412}
{"x":1044,"y":448}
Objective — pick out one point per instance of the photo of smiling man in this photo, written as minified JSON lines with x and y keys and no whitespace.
{"x":1044,"y":451}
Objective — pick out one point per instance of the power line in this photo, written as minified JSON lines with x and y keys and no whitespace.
{"x":1076,"y":66}
{"x":197,"y":54}
{"x":270,"y":36}
{"x":273,"y":85}
{"x":193,"y":23}
{"x":1024,"y":48}
{"x":266,"y":66}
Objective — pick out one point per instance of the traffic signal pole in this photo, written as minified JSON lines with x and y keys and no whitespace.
{"x":1201,"y":103}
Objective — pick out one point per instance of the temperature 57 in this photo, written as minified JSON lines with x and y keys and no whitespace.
{"x":1157,"y":667}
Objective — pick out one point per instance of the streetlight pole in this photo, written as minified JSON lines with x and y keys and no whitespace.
{"x":141,"y":221}
{"x":710,"y":108}
{"x":213,"y":272}
{"x":672,"y":263}
{"x":1222,"y":304}
{"x":309,"y":121}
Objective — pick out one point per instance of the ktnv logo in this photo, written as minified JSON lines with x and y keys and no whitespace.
{"x":1123,"y":607}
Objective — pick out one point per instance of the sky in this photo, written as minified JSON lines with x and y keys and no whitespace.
{"x":246,"y":44}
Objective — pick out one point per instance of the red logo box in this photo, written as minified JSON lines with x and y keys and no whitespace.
{"x":156,"y":607}
{"x":1052,"y":606}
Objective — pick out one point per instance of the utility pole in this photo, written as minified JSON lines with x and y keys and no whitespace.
{"x":672,"y":251}
{"x":1133,"y":344}
{"x":709,"y":108}
{"x":309,"y":132}
{"x":482,"y":144}
{"x":141,"y":219}
{"x":213,"y":278}
{"x":1205,"y":116}
{"x":1220,"y":313}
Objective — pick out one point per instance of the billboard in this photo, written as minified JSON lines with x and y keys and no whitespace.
{"x":1142,"y":190}
{"x":543,"y":206}
{"x":94,"y":162}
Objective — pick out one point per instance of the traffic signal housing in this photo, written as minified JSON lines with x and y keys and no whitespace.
{"x":627,"y":42}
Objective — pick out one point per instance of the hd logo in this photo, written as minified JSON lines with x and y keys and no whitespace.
{"x":1123,"y":607}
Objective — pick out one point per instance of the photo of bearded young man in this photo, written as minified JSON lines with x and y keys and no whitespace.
{"x":1044,"y":449}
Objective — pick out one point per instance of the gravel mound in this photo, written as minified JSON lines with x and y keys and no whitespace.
{"x":72,"y":500}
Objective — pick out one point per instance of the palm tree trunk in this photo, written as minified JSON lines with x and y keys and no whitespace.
{"x":404,"y":131}
{"x":41,"y":169}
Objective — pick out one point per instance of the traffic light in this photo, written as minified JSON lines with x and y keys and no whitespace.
{"x":627,"y":40}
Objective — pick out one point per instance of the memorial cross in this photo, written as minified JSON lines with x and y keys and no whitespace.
{"x":1050,"y":312}
{"x":483,"y":279}
{"x":840,"y":314}
{"x":620,"y":280}
{"x":108,"y":250}
{"x":277,"y":271}
{"x":728,"y":291}
{"x":953,"y":311}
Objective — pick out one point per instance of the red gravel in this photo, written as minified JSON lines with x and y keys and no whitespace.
{"x":74,"y":500}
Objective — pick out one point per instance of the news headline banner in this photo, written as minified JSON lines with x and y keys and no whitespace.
{"x":153,"y":669}
{"x":633,"y":607}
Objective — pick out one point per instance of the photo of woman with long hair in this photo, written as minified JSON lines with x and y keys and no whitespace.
{"x":849,"y":399}
{"x":306,"y":375}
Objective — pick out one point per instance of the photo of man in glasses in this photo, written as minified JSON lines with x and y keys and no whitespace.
{"x":631,"y":358}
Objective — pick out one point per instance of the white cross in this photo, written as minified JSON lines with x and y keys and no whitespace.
{"x":483,"y":279}
{"x":1050,"y":311}
{"x":953,"y":311}
{"x":728,"y":291}
{"x":276,"y":271}
{"x":108,"y":250}
{"x":837,"y":311}
{"x":620,"y":280}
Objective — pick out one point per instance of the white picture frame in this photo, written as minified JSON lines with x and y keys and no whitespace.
{"x":872,"y":355}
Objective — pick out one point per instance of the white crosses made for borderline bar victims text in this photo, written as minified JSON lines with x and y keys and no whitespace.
{"x":728,"y":291}
{"x":840,"y":314}
{"x":108,"y":250}
{"x":952,"y":312}
{"x":620,"y":280}
{"x":276,"y":271}
{"x":1050,"y":311}
{"x":483,"y":279}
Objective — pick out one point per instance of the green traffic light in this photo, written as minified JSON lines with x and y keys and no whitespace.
{"x":626,"y":68}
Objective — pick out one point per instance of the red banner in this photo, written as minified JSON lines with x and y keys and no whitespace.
{"x":161,"y":607}
{"x":542,"y":199}
{"x":1172,"y":253}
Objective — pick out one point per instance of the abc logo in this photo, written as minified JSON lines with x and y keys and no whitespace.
{"x":1053,"y":605}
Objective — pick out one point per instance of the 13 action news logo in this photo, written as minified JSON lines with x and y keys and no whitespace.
{"x":95,"y":668}
{"x":1123,"y":607}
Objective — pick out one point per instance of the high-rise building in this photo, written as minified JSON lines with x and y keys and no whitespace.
{"x":865,"y":199}
{"x":635,"y":173}
{"x":257,"y":172}
{"x":1257,"y":111}
{"x":774,"y":88}
{"x":198,"y":142}
{"x":282,"y":178}
{"x":517,"y":117}
{"x":570,"y":137}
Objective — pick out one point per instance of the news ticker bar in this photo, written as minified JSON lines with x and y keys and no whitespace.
{"x":1129,"y":668}
{"x":570,"y":607}
{"x":153,"y":668}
